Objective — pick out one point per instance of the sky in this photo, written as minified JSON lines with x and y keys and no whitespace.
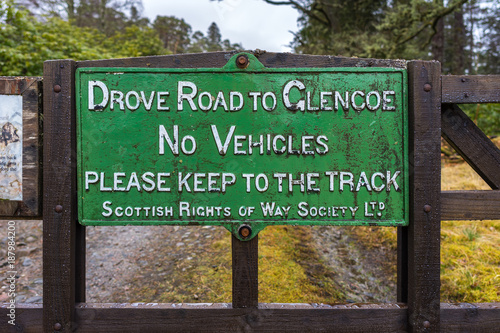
{"x":252,"y":23}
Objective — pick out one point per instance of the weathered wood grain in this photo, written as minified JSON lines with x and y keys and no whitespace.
{"x":470,"y":205}
{"x":28,"y":318}
{"x":470,"y":317}
{"x":425,"y":190}
{"x":29,"y":88}
{"x":472,"y":144}
{"x":461,"y":317}
{"x":59,"y":208}
{"x":245,"y":272}
{"x":402,"y":265}
{"x":267,"y":318}
{"x":460,"y":89}
{"x":418,"y":244}
{"x":219,"y":59}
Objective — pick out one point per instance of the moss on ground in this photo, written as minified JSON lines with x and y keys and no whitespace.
{"x":470,"y":250}
{"x":470,"y":261}
{"x":290,"y":270}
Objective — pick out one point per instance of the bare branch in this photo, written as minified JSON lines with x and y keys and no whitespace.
{"x":432,"y":23}
{"x":303,"y":9}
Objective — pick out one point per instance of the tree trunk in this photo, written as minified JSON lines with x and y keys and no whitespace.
{"x":459,"y":43}
{"x":438,"y":42}
{"x":71,"y":9}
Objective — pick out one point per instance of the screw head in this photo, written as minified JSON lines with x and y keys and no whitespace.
{"x":57,"y":88}
{"x":427,"y":324}
{"x":57,"y":326}
{"x":427,"y":208}
{"x":245,"y":231}
{"x":59,"y":209}
{"x":463,"y":79}
{"x":427,"y":87}
{"x":242,"y":61}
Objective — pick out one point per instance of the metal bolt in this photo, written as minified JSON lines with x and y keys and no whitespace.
{"x":245,"y":231}
{"x":57,"y":326}
{"x":242,"y":61}
{"x":427,"y":324}
{"x":57,"y":88}
{"x":427,"y":208}
{"x":463,"y":79}
{"x":59,"y":209}
{"x":466,"y":95}
{"x":427,"y":87}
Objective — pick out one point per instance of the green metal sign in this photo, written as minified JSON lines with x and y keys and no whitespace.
{"x":238,"y":146}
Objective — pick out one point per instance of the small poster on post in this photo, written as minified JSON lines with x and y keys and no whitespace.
{"x":11,"y":147}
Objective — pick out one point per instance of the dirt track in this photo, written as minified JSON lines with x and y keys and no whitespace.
{"x":123,"y":260}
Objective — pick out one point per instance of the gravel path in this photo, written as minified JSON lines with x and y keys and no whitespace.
{"x":362,"y":274}
{"x":117,"y":258}
{"x":28,"y":261}
{"x":121,"y":260}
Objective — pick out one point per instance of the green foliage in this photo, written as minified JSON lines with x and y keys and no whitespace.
{"x":214,"y":37}
{"x":486,"y":116}
{"x":177,"y":38}
{"x":25,"y":42}
{"x":173,"y":32}
{"x":135,"y":42}
{"x":489,"y":57}
{"x":212,"y":42}
{"x":378,"y":29}
{"x":339,"y":28}
{"x":107,"y":16}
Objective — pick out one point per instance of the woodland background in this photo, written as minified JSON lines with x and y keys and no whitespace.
{"x":463,"y":35}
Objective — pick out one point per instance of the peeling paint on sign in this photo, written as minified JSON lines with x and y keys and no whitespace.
{"x":231,"y":146}
{"x":11,"y":147}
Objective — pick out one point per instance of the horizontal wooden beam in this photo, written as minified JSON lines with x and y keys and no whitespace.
{"x":471,"y":143}
{"x":464,"y":89}
{"x":466,"y":317}
{"x":28,"y":318}
{"x":153,"y":317}
{"x":219,"y":59}
{"x":470,"y":205}
{"x":223,"y":318}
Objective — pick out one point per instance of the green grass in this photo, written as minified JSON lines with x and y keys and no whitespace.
{"x":470,"y":250}
{"x":290,"y":270}
{"x":470,"y":261}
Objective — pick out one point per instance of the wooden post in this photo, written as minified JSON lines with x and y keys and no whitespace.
{"x":402,"y":265}
{"x":245,"y":272}
{"x":425,"y":181}
{"x":63,"y":248}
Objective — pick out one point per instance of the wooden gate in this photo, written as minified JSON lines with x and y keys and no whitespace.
{"x":433,"y":112}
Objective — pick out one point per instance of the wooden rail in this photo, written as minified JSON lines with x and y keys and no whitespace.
{"x":433,"y":112}
{"x":142,"y":317}
{"x":466,"y":89}
{"x":470,"y":205}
